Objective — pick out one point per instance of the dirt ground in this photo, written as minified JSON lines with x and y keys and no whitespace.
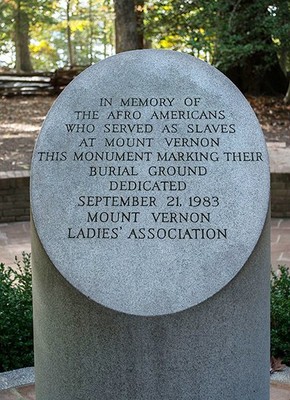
{"x":21,"y":118}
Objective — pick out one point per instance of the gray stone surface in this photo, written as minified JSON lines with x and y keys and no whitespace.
{"x":17,"y":377}
{"x":281,"y":376}
{"x":151,"y":112}
{"x":217,"y":350}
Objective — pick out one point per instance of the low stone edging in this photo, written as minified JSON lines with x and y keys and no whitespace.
{"x":15,"y":204}
{"x":17,"y":377}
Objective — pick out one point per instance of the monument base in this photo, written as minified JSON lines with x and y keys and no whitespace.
{"x":217,"y":350}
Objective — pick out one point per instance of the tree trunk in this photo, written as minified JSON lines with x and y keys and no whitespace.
{"x":139,"y":10}
{"x":284,"y":60}
{"x":23,"y":60}
{"x":126,"y":25}
{"x":287,"y":96}
{"x":68,"y":32}
{"x":91,"y":33}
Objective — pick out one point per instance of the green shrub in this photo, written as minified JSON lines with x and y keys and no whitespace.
{"x":16,"y":333}
{"x":280,"y":314}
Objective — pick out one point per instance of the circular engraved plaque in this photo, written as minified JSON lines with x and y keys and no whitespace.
{"x":150,"y":182}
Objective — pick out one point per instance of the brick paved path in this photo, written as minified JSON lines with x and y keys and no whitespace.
{"x":280,"y":242}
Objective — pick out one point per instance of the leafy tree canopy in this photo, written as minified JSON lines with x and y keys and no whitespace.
{"x":90,"y":24}
{"x":239,"y":37}
{"x":245,"y":39}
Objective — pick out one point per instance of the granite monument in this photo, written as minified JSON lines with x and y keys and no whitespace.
{"x":150,"y":198}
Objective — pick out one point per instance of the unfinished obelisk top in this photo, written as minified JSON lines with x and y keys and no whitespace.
{"x":150,"y":182}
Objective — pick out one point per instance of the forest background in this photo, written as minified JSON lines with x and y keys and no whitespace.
{"x":247,"y":40}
